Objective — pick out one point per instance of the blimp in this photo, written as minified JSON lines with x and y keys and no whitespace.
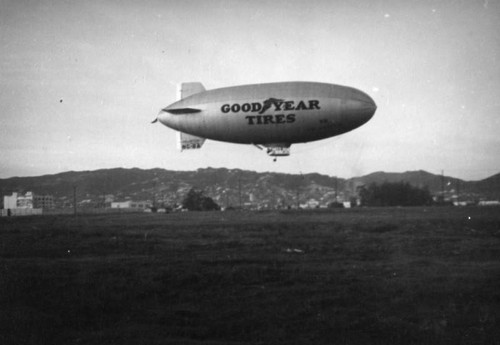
{"x":270,"y":116}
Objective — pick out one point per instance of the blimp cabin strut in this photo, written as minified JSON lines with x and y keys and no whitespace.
{"x":270,"y":116}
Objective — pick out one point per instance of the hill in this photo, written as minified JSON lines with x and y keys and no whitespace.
{"x":232,"y":187}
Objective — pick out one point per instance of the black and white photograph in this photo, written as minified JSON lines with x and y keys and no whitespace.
{"x":249,"y":172}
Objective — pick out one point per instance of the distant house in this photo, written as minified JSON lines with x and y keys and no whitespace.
{"x":129,"y":204}
{"x":311,"y":203}
{"x":121,"y":204}
{"x":489,"y":203}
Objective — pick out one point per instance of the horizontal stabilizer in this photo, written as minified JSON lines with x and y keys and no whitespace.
{"x":180,"y":111}
{"x":188,"y":141}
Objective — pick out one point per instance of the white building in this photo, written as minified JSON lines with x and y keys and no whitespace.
{"x":311,"y":203}
{"x":27,"y":201}
{"x":22,"y":205}
{"x":18,"y":201}
{"x":10,"y":202}
{"x":489,"y":203}
{"x":141,"y":205}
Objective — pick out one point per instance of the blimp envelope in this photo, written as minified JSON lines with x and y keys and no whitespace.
{"x":270,"y":116}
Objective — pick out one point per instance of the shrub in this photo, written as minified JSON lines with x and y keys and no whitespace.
{"x":195,"y":200}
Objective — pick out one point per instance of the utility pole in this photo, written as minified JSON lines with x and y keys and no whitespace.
{"x":336,"y":190}
{"x":239,"y":187}
{"x":297,"y":192}
{"x":74,"y":200}
{"x":442,"y":184}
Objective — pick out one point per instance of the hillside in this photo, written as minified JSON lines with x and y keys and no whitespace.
{"x":231,"y":187}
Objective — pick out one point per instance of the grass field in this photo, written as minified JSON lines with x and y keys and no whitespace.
{"x":356,"y":276}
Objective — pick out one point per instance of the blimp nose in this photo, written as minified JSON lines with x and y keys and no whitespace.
{"x":367,"y":109}
{"x":363,"y":107}
{"x":163,"y":117}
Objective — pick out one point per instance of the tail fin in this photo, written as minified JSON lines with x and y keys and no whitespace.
{"x":187,"y":89}
{"x":188,"y":142}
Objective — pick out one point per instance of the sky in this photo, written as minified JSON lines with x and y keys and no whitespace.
{"x":81,"y":81}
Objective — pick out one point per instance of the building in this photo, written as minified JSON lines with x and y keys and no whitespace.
{"x":10,"y":202}
{"x":18,"y":201}
{"x":489,"y":203}
{"x":27,"y":201}
{"x":311,"y":203}
{"x":140,"y":205}
{"x":122,"y":204}
{"x":25,"y":205}
{"x":43,"y":201}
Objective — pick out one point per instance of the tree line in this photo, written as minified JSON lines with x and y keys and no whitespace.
{"x":385,"y":194}
{"x":394,"y":194}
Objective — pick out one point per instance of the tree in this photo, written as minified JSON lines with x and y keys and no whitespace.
{"x":195,"y":200}
{"x":394,"y":194}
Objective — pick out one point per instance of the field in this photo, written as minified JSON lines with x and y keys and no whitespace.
{"x":354,"y":276}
